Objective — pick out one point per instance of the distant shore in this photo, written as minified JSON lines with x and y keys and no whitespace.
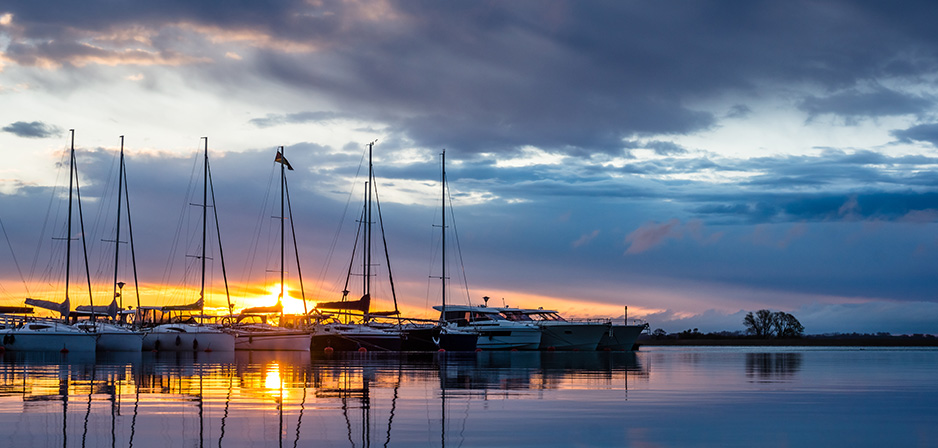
{"x":893,"y":341}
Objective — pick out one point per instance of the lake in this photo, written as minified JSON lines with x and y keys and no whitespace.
{"x":656,"y":397}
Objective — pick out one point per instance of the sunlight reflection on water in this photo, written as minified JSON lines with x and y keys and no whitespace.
{"x":726,"y":396}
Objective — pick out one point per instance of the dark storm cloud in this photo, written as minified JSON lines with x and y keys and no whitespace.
{"x":33,"y":129}
{"x":491,"y":77}
{"x":823,"y":207}
{"x":920,"y":133}
{"x":877,"y":103}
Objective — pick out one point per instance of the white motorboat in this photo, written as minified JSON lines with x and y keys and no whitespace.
{"x":44,"y":336}
{"x":557,"y":332}
{"x":621,"y":337}
{"x":495,"y":331}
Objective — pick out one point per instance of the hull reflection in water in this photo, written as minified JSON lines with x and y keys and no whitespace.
{"x":467,"y":399}
{"x":258,"y":398}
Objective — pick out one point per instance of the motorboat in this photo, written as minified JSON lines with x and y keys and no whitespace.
{"x":621,"y":337}
{"x":494,"y":330}
{"x":557,"y":332}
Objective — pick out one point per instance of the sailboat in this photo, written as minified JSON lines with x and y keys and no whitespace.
{"x":52,"y":335}
{"x":112,"y":336}
{"x":423,"y":337}
{"x":329,"y":330}
{"x":261,"y":335}
{"x":189,"y":335}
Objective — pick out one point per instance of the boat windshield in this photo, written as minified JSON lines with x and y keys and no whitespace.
{"x":547,"y":316}
{"x":516,"y":316}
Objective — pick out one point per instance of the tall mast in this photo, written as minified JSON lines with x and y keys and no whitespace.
{"x":204,"y":224}
{"x":283,"y":180}
{"x":371,"y":178}
{"x":443,"y":222}
{"x":68,"y":236}
{"x":117,"y":237}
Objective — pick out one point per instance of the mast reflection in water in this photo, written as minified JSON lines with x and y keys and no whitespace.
{"x":661,"y":397}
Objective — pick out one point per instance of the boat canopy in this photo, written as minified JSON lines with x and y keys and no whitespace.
{"x":361,"y":305}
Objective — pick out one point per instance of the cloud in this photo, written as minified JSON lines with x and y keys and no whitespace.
{"x":585,"y":239}
{"x":651,"y":235}
{"x":877,"y":102}
{"x":296,"y":118}
{"x":33,"y":129}
{"x":920,"y":133}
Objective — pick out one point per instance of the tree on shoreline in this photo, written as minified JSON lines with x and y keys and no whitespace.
{"x":765,"y":324}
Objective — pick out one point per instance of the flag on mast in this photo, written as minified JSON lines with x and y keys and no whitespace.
{"x":281,"y":159}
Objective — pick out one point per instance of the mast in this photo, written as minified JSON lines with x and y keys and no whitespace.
{"x":68,"y":236}
{"x":204,"y":225}
{"x":443,"y":225}
{"x":117,"y":237}
{"x":371,"y":178}
{"x":283,"y":180}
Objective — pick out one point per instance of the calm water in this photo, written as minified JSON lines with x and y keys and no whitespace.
{"x":658,"y":397}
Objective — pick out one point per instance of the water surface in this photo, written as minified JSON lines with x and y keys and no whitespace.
{"x":658,"y":397}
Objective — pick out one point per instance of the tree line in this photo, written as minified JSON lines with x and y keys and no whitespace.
{"x":762,"y":324}
{"x":767,"y":324}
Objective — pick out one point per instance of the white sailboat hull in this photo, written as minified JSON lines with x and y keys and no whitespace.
{"x":46,"y":337}
{"x":271,"y":340}
{"x":113,"y":338}
{"x":119,"y":342}
{"x":187,"y":338}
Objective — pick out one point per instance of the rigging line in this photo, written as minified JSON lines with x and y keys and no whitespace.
{"x":296,"y":249}
{"x":84,"y":247}
{"x":13,"y":254}
{"x":130,"y":231}
{"x":387,"y":256}
{"x":248,"y":272}
{"x":45,"y":222}
{"x":335,"y":238}
{"x":168,"y":267}
{"x":99,"y":223}
{"x":462,"y":265}
{"x":221,"y":253}
{"x":351,"y":263}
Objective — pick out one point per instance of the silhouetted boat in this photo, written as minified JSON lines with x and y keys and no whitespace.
{"x":558,"y":333}
{"x":171,"y":331}
{"x":253,"y":335}
{"x":426,"y":337}
{"x":341,"y":327}
{"x":494,"y":330}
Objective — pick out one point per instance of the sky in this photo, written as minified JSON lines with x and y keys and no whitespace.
{"x":692,"y":161}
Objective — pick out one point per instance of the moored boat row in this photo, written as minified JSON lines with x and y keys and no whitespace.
{"x":350,"y":325}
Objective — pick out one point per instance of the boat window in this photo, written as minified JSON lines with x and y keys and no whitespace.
{"x":38,"y":326}
{"x":478,"y":317}
{"x":516,"y":316}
